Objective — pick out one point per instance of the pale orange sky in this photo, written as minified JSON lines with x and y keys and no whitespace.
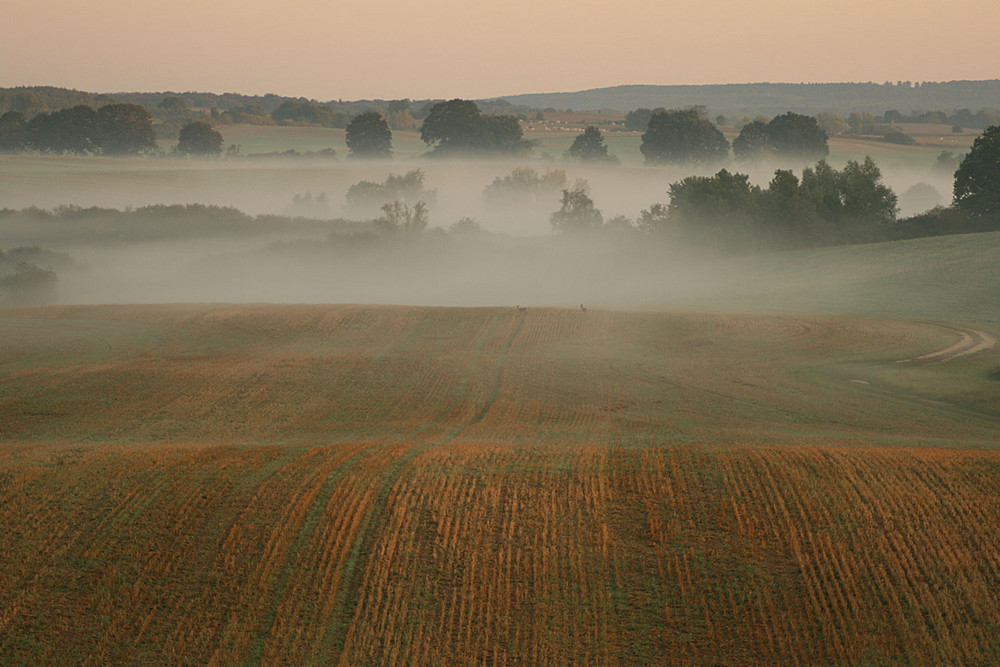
{"x":355,"y":49}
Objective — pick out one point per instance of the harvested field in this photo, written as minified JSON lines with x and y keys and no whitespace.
{"x":389,"y":485}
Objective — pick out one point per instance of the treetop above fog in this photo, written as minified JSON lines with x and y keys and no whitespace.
{"x":682,"y":136}
{"x":368,"y":136}
{"x":198,"y":138}
{"x":825,"y":206}
{"x":590,"y":147}
{"x":114,"y":129}
{"x":457,"y":127}
{"x":789,"y":135}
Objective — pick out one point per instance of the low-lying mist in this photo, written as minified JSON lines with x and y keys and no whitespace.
{"x":435,"y":268}
{"x":914,"y":279}
{"x":317,"y":188}
{"x":498,"y":254}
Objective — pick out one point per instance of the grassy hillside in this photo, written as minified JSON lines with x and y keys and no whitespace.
{"x":361,"y":485}
{"x":941,"y":278}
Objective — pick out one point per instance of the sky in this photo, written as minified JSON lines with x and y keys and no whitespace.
{"x":360,"y":49}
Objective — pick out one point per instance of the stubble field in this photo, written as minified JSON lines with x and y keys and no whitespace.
{"x":404,"y":485}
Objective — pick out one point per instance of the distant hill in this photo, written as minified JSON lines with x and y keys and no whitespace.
{"x":735,"y":100}
{"x":769,"y":99}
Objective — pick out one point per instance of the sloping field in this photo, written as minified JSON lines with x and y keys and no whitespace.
{"x":385,"y":485}
{"x":943,"y":278}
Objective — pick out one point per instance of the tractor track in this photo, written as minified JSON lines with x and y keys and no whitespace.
{"x":971,"y":341}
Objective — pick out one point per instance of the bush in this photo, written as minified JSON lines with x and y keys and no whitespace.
{"x":366,"y":197}
{"x":899,"y":137}
{"x":28,"y":284}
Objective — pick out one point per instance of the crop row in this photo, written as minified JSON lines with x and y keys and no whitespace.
{"x":486,"y":553}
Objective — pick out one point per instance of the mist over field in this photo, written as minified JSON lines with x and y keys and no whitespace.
{"x":270,"y":186}
{"x":510,"y":256}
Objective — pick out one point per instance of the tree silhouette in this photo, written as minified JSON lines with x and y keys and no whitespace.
{"x":577,"y":213}
{"x":124,"y":129}
{"x":682,"y":136}
{"x":977,"y":180}
{"x":198,"y":138}
{"x":589,"y":146}
{"x":457,"y":126}
{"x":369,"y":136}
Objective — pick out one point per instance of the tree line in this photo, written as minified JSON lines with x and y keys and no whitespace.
{"x":678,"y":136}
{"x":822,"y":206}
{"x":114,"y":129}
{"x":453,"y":127}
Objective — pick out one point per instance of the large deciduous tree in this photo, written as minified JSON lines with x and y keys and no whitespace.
{"x":797,"y":136}
{"x":865,"y":198}
{"x":977,"y":180}
{"x":589,"y":146}
{"x":124,"y":129}
{"x":369,"y":136}
{"x":752,"y":143}
{"x":638,"y":119}
{"x":720,"y":210}
{"x":788,"y":136}
{"x":457,"y":126}
{"x":198,"y":138}
{"x":452,"y":125}
{"x":682,"y":136}
{"x":66,"y":131}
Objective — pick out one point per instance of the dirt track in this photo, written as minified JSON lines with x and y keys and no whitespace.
{"x":971,"y":341}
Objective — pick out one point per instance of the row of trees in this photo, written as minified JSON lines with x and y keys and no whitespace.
{"x":961,"y":117}
{"x":114,"y":129}
{"x":680,"y":136}
{"x":455,"y":127}
{"x":725,"y":211}
{"x":687,"y":136}
{"x":459,"y":127}
{"x":823,"y":206}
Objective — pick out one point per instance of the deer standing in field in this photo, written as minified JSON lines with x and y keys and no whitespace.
{"x":521,"y":309}
{"x":582,"y":308}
